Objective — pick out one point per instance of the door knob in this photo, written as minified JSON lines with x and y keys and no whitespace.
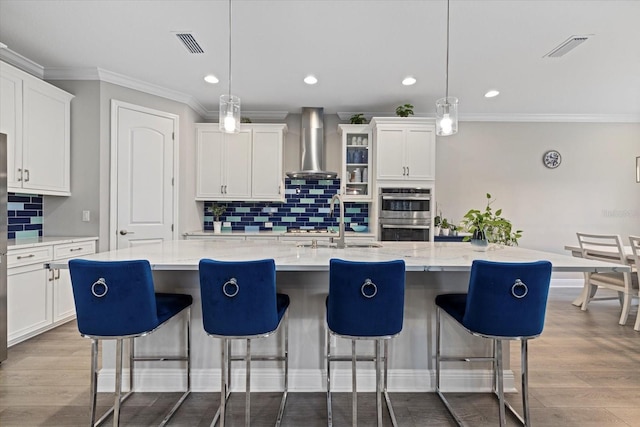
{"x":123,"y":232}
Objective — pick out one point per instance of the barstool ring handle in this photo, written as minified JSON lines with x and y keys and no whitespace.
{"x":231,"y":282}
{"x":519,"y":284}
{"x":100,"y":282}
{"x":368,"y":283}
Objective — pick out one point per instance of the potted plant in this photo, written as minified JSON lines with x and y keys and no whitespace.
{"x":444,"y":227}
{"x":405,"y":110}
{"x":437,"y":221}
{"x":217,"y":211}
{"x":489,"y":227}
{"x":358,"y":119}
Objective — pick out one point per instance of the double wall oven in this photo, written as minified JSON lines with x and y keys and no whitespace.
{"x":405,"y":214}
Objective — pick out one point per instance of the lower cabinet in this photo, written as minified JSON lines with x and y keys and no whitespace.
{"x":39,"y":298}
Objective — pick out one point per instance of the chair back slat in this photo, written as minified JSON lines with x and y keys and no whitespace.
{"x":366,"y":298}
{"x":635,"y":247}
{"x":602,"y":247}
{"x":238,"y":297}
{"x":113,"y":298}
{"x":507,"y":299}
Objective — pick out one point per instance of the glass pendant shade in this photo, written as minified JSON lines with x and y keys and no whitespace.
{"x":229,"y":114}
{"x":447,"y":116}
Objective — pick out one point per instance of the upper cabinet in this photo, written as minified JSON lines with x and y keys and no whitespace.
{"x":36,"y":117}
{"x":405,"y":148}
{"x":356,"y":162}
{"x":243,"y":166}
{"x":267,"y":179}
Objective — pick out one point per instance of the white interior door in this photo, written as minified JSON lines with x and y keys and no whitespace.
{"x":143,"y":153}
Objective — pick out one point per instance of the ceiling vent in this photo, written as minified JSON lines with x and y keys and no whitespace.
{"x":190,"y":42}
{"x":566,"y":46}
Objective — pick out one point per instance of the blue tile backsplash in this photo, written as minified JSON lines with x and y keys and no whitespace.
{"x":306,"y":206}
{"x":24,"y":212}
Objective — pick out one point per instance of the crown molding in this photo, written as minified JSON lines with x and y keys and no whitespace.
{"x":507,"y":117}
{"x":19,"y":61}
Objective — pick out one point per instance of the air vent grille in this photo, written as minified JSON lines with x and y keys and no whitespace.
{"x":190,"y":42}
{"x":566,"y":46}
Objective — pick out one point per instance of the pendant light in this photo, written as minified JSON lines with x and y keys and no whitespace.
{"x":447,"y":107}
{"x":229,"y":119}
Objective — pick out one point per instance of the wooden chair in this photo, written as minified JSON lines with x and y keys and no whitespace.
{"x":607,"y":248}
{"x":635,"y":247}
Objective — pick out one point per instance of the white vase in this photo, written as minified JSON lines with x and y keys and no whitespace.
{"x":445,"y":231}
{"x":436,"y":230}
{"x":217,"y":226}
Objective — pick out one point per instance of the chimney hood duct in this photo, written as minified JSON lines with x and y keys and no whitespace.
{"x":312,"y":146}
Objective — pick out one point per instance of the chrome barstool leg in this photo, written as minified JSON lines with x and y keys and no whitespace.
{"x":354,"y":388}
{"x":94,"y":379}
{"x":525,"y":381}
{"x":118,"y":391}
{"x":392,"y":414}
{"x":286,"y":369}
{"x":378,"y":352}
{"x":223,"y":383}
{"x":247,"y":408}
{"x":500,"y":380}
{"x":328,"y":348}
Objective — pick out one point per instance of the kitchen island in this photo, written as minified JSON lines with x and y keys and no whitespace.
{"x":302,"y":272}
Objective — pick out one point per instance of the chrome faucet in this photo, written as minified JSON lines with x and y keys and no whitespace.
{"x":340,"y":243}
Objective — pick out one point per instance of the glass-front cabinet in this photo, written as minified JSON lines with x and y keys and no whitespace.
{"x":356,"y":162}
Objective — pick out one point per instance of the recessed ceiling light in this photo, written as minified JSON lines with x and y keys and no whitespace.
{"x":310,"y":80}
{"x":408,"y":81}
{"x":492,"y":93}
{"x":211,"y":79}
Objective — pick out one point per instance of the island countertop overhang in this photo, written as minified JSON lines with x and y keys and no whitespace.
{"x":184,"y":255}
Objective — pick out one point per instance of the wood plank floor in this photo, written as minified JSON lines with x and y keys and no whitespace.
{"x":584,"y":371}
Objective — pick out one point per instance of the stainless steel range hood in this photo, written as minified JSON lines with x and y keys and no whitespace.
{"x":312,"y":146}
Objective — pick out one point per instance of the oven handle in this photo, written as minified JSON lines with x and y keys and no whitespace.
{"x":406,"y":197}
{"x":417,"y":227}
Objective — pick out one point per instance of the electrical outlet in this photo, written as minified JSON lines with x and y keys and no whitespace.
{"x":86,"y":216}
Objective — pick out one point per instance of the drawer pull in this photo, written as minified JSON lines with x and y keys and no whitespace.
{"x":75,"y":249}
{"x":25,"y":256}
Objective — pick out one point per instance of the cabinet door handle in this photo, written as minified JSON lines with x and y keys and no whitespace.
{"x":222,"y":189}
{"x":225,"y":189}
{"x":125,"y":232}
{"x":57,"y":273}
{"x":27,"y":178}
{"x":20,"y":173}
{"x":407,"y":170}
{"x":279,"y":189}
{"x":404,"y":171}
{"x":52,"y":277}
{"x":25,"y":256}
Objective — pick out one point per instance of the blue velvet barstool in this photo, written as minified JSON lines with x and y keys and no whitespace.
{"x":505,"y":301}
{"x":115,"y":300}
{"x":239,"y":301}
{"x":365,"y":302}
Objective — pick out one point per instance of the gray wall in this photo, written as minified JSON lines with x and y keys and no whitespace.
{"x":90,"y":161}
{"x":593,"y":190}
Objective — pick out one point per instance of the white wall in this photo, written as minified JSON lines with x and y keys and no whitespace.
{"x":593,"y":190}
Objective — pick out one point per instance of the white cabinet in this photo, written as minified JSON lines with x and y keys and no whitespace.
{"x":243,"y":166}
{"x":405,"y":148}
{"x":29,"y":296}
{"x":223,"y":164}
{"x":357,"y":158}
{"x":267,"y":178}
{"x":39,"y":299}
{"x":36,"y":117}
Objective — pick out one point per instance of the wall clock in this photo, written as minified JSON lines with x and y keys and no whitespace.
{"x":552,"y":159}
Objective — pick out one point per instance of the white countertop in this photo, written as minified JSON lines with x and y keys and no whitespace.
{"x":45,"y":241}
{"x":268,"y":233}
{"x":418,"y":256}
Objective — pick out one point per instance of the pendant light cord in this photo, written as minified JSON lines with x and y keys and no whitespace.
{"x":446,"y":95}
{"x":230,"y":49}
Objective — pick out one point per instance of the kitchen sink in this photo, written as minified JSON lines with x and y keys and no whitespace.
{"x":334,"y":245}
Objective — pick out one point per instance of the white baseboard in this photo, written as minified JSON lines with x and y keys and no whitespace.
{"x":306,"y":380}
